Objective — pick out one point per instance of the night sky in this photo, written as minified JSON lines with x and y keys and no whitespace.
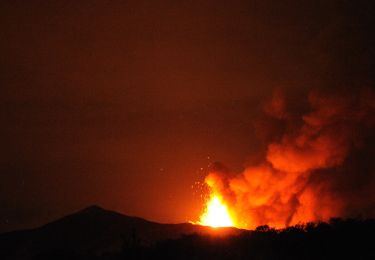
{"x":125,"y":104}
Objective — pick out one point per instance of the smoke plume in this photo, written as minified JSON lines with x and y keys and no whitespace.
{"x":313,"y":171}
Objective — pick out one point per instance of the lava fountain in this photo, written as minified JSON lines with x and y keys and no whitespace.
{"x":216,"y":214}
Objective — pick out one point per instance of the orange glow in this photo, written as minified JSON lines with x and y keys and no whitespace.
{"x":292,"y":183}
{"x":216,"y":214}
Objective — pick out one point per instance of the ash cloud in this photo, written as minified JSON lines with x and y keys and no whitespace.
{"x":313,"y":171}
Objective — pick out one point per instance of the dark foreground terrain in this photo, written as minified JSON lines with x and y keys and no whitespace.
{"x":95,"y":233}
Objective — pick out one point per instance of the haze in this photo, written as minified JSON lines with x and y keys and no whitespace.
{"x":125,"y":104}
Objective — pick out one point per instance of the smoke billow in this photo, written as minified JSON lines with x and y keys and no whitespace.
{"x":313,"y":170}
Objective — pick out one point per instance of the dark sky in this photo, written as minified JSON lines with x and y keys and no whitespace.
{"x":125,"y":103}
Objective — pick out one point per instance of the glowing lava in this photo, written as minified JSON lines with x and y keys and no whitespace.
{"x":216,"y":214}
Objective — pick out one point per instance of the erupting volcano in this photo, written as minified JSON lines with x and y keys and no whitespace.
{"x":301,"y":176}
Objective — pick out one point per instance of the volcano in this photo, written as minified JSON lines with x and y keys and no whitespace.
{"x":96,"y":231}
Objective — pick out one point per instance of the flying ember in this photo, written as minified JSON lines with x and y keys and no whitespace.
{"x":216,"y":214}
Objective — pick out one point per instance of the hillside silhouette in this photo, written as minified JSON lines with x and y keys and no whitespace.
{"x":96,"y":233}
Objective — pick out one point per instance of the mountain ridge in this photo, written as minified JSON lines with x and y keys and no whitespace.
{"x":95,"y":230}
